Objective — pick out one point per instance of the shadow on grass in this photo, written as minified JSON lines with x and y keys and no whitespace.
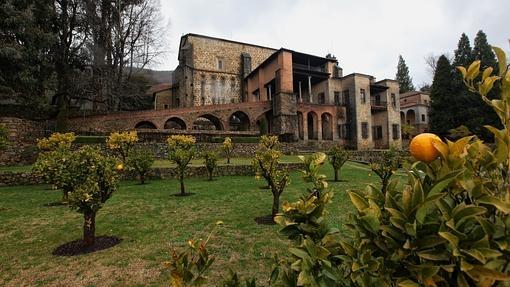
{"x":183,"y":194}
{"x":265,"y":220}
{"x":76,"y":247}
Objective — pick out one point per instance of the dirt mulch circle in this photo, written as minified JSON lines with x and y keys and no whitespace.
{"x":265,"y":220}
{"x":56,"y":203}
{"x":76,"y":247}
{"x":185,"y":194}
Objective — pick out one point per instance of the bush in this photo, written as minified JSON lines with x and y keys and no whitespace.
{"x":266,"y":165}
{"x":53,"y":161}
{"x":337,"y":157}
{"x":228,"y":148}
{"x":211,"y":162}
{"x":386,"y":165}
{"x":121,"y":143}
{"x":181,"y":150}
{"x":140,"y":160}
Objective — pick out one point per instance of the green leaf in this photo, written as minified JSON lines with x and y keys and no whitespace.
{"x":463,"y":213}
{"x":408,"y":283}
{"x":444,"y":182}
{"x":359,"y":202}
{"x":496,"y":202}
{"x":500,"y":54}
{"x":371,"y":223}
{"x":300,"y":253}
{"x":434,"y":255}
{"x":454,"y":240}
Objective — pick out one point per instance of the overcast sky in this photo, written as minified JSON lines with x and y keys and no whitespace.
{"x":365,"y":35}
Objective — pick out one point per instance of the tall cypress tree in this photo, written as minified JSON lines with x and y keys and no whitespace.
{"x":441,"y":117}
{"x":405,"y":81}
{"x":485,"y":115}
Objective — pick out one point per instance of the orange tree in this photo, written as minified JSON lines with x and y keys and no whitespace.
{"x":140,"y":161}
{"x":228,"y":148}
{"x":181,"y":150}
{"x":266,"y":165}
{"x":337,"y":157}
{"x":122,"y":143}
{"x":53,"y":161}
{"x":93,"y":181}
{"x":211,"y":162}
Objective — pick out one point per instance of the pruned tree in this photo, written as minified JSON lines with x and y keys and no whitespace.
{"x":181,"y":150}
{"x":337,"y":157}
{"x":266,"y":165}
{"x":211,"y":162}
{"x":140,"y":161}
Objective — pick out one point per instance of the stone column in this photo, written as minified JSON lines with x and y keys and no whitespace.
{"x":319,"y":127}
{"x":305,"y":126}
{"x":310,"y":97}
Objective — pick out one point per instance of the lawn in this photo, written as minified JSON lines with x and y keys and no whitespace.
{"x":150,"y":223}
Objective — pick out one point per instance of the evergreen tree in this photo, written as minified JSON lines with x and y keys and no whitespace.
{"x":405,"y":81}
{"x":484,"y":115}
{"x":463,"y":53}
{"x":25,"y":61}
{"x":442,"y":102}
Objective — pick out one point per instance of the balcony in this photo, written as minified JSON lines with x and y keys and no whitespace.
{"x":378,"y":104}
{"x":309,"y":68}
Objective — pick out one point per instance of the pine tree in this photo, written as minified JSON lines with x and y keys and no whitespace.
{"x":405,"y":81}
{"x":463,"y":53}
{"x":443,"y":103}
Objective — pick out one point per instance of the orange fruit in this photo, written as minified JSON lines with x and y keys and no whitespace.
{"x":422,"y":147}
{"x":120,"y":167}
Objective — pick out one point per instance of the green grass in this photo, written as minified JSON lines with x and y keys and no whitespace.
{"x":16,"y":168}
{"x":150,"y":223}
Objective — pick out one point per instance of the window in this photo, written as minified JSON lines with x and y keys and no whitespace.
{"x":377,"y":132}
{"x":363,"y":96}
{"x":394,"y":100}
{"x":423,"y":118}
{"x":322,"y":99}
{"x":343,"y":132}
{"x":337,"y":98}
{"x":220,"y":64}
{"x":166,"y":106}
{"x":344,"y":101}
{"x":364,"y":130}
{"x":396,"y":131}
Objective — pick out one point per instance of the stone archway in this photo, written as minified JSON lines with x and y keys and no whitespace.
{"x":239,"y":121}
{"x":312,"y":123}
{"x":208,"y":122}
{"x":327,"y":126}
{"x":411,"y":117}
{"x":175,"y":123}
{"x":145,"y":125}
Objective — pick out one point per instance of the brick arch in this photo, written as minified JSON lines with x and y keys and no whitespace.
{"x":145,"y":125}
{"x":239,"y":121}
{"x":175,"y":123}
{"x":217,"y":121}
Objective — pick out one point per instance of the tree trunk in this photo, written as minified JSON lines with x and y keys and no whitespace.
{"x":228,"y":159}
{"x":336,"y":174}
{"x":276,"y":203}
{"x":89,"y":228}
{"x":384,"y":185}
{"x":142,"y":178}
{"x":210,"y":175}
{"x":181,"y":179}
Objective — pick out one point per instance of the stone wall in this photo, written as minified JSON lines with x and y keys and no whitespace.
{"x":22,"y":135}
{"x":28,"y":178}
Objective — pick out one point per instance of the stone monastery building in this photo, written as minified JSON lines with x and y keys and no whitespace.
{"x":307,"y":96}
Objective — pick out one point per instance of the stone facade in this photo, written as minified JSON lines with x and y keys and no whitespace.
{"x":414,"y":111}
{"x":228,"y":87}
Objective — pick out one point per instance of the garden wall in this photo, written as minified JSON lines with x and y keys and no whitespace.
{"x":22,"y":135}
{"x":27,"y":178}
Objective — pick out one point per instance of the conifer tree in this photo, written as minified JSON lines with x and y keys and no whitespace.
{"x":441,"y":117}
{"x":405,"y":81}
{"x":484,"y":114}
